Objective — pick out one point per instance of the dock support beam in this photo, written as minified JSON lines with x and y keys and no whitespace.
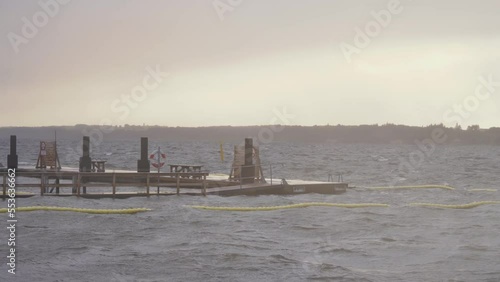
{"x":114,"y":184}
{"x":74,"y":182}
{"x":42,"y":184}
{"x":4,"y":186}
{"x":177,"y":181}
{"x":204,"y":191}
{"x":85,"y":161}
{"x":143,"y":163}
{"x":248,"y":170}
{"x":78,"y":184}
{"x":12,"y":157}
{"x":58,"y":182}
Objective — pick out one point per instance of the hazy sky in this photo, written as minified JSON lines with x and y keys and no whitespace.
{"x":235,"y":62}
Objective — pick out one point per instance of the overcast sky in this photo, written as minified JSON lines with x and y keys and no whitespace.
{"x":87,"y":62}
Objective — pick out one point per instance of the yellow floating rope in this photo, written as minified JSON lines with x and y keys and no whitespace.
{"x":24,"y":193}
{"x":301,"y":205}
{"x":483,"y":190}
{"x":91,"y":211}
{"x":413,"y":187}
{"x":464,"y":206}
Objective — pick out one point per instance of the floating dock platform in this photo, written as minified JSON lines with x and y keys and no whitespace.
{"x":90,"y":180}
{"x":143,"y":184}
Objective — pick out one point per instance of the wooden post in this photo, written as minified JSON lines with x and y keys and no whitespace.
{"x":143,"y":164}
{"x":4,"y":186}
{"x":261,"y":178}
{"x":12,"y":157}
{"x":57,"y":185}
{"x":42,"y":184}
{"x":204,"y":185}
{"x":85,"y":160}
{"x":178,"y":180}
{"x":74,"y":181}
{"x":78,"y":184}
{"x":114,"y":183}
{"x":271,"y":172}
{"x":147,"y":184}
{"x":248,"y":170}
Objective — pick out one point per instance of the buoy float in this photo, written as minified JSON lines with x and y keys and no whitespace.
{"x":413,"y":187}
{"x":464,"y":206}
{"x":292,"y":206}
{"x":483,"y":190}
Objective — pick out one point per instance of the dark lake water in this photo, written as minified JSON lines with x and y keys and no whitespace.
{"x":174,"y":242}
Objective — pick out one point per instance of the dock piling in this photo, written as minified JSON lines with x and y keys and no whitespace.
{"x":248,"y":170}
{"x":78,"y":184}
{"x":158,"y":188}
{"x":204,"y":185}
{"x":12,"y":157}
{"x":57,"y":185}
{"x":85,"y":161}
{"x":143,"y":163}
{"x":178,"y":183}
{"x":114,"y":183}
{"x":4,"y":186}
{"x":42,"y":185}
{"x":271,"y":173}
{"x":74,"y":182}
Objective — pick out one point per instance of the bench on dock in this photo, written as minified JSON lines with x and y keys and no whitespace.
{"x":181,"y":168}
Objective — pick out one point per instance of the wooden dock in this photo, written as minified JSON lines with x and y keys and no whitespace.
{"x":144,"y":184}
{"x":91,"y":180}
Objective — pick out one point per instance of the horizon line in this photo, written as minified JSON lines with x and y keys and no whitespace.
{"x":255,"y":125}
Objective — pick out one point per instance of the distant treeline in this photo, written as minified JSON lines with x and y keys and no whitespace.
{"x":380,"y":134}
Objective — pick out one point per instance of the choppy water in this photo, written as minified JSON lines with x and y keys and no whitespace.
{"x":177,"y":243}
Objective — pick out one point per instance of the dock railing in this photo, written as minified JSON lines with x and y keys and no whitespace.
{"x":81,"y":180}
{"x":261,"y":168}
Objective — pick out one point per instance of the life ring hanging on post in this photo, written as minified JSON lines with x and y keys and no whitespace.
{"x":158,"y":158}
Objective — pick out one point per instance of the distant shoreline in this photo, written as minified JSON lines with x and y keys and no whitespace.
{"x":374,"y":134}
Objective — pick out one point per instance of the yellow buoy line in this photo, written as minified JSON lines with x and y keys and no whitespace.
{"x":91,"y":211}
{"x":24,"y":193}
{"x":244,"y":209}
{"x":292,"y":206}
{"x":413,"y":187}
{"x":464,"y":206}
{"x":483,"y":190}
